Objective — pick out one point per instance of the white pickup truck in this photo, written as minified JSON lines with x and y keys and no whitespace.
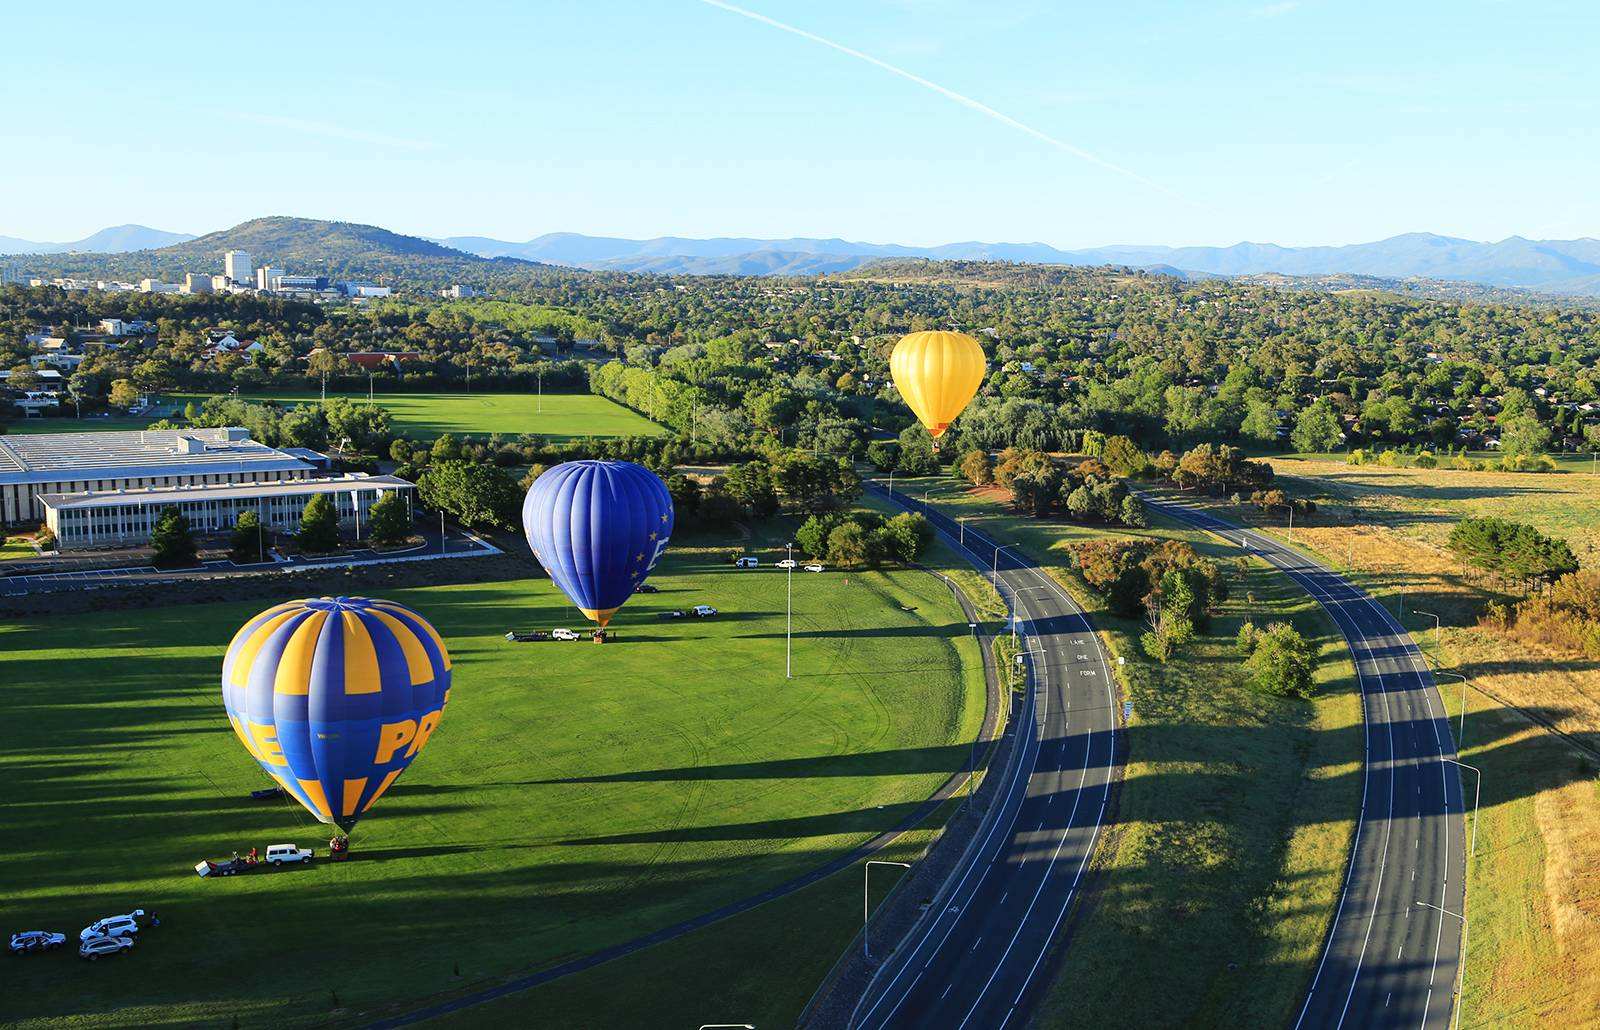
{"x":280,"y":854}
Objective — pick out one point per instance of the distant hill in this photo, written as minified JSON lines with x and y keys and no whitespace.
{"x":116,"y":240}
{"x":1548,"y":266}
{"x":307,"y":246}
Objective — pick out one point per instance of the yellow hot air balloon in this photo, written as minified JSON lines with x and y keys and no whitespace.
{"x":937,"y":373}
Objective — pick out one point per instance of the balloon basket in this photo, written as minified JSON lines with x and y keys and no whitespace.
{"x":599,"y":636}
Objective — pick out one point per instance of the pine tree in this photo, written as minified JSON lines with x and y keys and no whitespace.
{"x":319,"y":526}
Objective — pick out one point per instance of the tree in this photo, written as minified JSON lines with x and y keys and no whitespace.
{"x":884,"y":455}
{"x":850,"y":544}
{"x":685,"y":497}
{"x":812,"y":536}
{"x":906,"y":536}
{"x":123,"y":394}
{"x":319,"y":526}
{"x":977,"y":467}
{"x":1133,"y":512}
{"x":750,"y":484}
{"x":1281,"y":662}
{"x":477,"y":494}
{"x":1260,"y":422}
{"x":23,"y":378}
{"x":248,"y":542}
{"x":388,"y":521}
{"x":172,"y":540}
{"x":1316,"y":429}
{"x":1523,"y":435}
{"x":1122,"y":456}
{"x":1080,"y":503}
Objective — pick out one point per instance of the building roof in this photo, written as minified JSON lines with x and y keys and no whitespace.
{"x":58,"y":457}
{"x":222,"y":491}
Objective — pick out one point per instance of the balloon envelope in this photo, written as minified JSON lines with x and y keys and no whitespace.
{"x":334,"y":697}
{"x":937,"y":373}
{"x":598,"y":528}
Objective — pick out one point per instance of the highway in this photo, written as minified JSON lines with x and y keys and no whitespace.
{"x":1391,"y":956}
{"x":978,"y":961}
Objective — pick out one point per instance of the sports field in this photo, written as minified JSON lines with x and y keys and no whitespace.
{"x":574,"y":795}
{"x":423,"y":416}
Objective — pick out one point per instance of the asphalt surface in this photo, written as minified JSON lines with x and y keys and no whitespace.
{"x":978,"y":961}
{"x":1390,"y":960}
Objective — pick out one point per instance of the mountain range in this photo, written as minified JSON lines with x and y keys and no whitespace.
{"x":119,"y":239}
{"x":1570,"y":267}
{"x":1549,"y":266}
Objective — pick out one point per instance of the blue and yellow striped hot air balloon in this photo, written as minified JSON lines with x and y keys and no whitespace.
{"x":334,"y":696}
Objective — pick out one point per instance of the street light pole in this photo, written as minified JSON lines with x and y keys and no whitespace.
{"x":539,"y":404}
{"x":788,"y":628}
{"x":1437,"y":654}
{"x":441,"y":530}
{"x":1461,"y":967}
{"x":866,"y":911}
{"x":1461,"y":729}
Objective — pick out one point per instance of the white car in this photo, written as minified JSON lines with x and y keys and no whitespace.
{"x":113,"y":926}
{"x":702,"y":611}
{"x":746,"y":562}
{"x":563,"y":634}
{"x":788,"y":563}
{"x":279,"y":854}
{"x":36,"y":940}
{"x":814,"y":567}
{"x":94,"y":947}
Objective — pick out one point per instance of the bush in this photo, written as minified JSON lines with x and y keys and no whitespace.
{"x":977,"y":467}
{"x":1245,"y":643}
{"x":1282,"y":662}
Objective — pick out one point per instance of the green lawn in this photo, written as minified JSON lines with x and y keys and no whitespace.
{"x":574,"y":795}
{"x":76,"y":425}
{"x":13,"y":549}
{"x":559,"y":416}
{"x":1229,"y":845}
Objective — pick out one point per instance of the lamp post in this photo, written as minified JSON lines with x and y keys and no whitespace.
{"x":1437,"y":656}
{"x":961,"y":527}
{"x":539,"y":403}
{"x":994,"y":568}
{"x":1461,"y":967}
{"x":866,"y":911}
{"x":1461,"y":729}
{"x":369,"y":386}
{"x":788,"y":628}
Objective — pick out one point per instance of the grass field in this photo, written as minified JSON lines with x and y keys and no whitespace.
{"x":13,"y":549}
{"x":574,"y":796}
{"x":423,"y":416}
{"x":1235,"y":818}
{"x":1534,"y":897}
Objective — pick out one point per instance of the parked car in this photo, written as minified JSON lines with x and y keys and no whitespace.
{"x":563,"y":634}
{"x":113,"y":926}
{"x":747,"y":562}
{"x":703,"y":611}
{"x":94,"y":947}
{"x":788,"y":563}
{"x":647,"y":588}
{"x":814,"y":567}
{"x":672,"y":613}
{"x":280,"y":854}
{"x":36,"y":940}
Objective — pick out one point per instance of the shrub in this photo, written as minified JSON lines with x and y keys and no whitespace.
{"x":1282,"y":662}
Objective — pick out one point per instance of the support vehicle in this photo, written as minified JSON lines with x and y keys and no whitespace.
{"x":287,"y":854}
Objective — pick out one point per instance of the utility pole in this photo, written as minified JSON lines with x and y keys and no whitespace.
{"x":369,"y":387}
{"x":866,"y":911}
{"x":539,"y":404}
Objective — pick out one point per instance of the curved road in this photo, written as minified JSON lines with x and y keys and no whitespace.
{"x":1390,"y":959}
{"x":973,"y":963}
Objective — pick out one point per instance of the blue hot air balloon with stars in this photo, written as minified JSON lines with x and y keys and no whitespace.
{"x":334,"y":697}
{"x":598,"y":528}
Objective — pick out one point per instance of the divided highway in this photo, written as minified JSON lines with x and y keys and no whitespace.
{"x":1392,"y":952}
{"x":974,"y":962}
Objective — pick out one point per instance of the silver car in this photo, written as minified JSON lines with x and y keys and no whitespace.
{"x":113,"y":926}
{"x":36,"y":940}
{"x":94,"y":947}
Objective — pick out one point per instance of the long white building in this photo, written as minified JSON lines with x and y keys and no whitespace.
{"x":75,"y":463}
{"x":124,"y":517}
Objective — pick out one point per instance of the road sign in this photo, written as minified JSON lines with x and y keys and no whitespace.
{"x":1127,"y":710}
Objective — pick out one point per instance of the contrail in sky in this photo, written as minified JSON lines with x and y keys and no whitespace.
{"x":950,"y":94}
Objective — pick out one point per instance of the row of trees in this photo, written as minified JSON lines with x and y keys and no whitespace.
{"x":864,"y":537}
{"x":1512,"y":550}
{"x":175,"y":545}
{"x":1040,"y":485}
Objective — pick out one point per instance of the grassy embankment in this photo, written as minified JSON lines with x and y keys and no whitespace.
{"x":1235,"y":817}
{"x":574,"y":796}
{"x":1534,"y":952}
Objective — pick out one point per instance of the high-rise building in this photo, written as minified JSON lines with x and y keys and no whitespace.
{"x":195,"y":282}
{"x":264,"y":276}
{"x":236,"y":266}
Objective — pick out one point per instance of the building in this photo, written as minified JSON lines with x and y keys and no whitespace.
{"x":236,"y":266}
{"x":364,"y":290}
{"x":57,"y":359}
{"x":195,"y":282}
{"x":113,"y":327}
{"x":219,"y":284}
{"x":156,"y":286}
{"x":264,"y":277}
{"x":124,"y":517}
{"x":71,"y":463}
{"x":372,"y":360}
{"x":458,"y":292}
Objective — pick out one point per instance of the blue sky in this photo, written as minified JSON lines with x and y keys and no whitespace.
{"x":1295,"y":121}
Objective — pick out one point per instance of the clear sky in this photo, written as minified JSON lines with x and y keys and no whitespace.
{"x":1289,"y":121}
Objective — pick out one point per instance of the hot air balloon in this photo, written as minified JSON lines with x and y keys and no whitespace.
{"x":598,"y":528}
{"x":937,"y":374}
{"x":334,"y":697}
